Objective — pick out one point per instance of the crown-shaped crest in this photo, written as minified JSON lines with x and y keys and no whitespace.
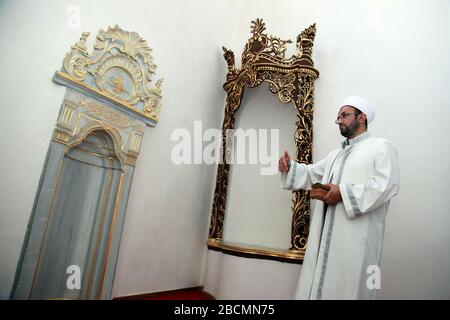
{"x":120,"y":68}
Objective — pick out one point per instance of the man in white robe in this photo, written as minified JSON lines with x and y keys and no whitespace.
{"x":346,"y":232}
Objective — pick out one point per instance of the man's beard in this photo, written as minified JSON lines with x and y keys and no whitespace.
{"x":348,"y":131}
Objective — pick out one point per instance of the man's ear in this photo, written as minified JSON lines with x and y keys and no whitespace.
{"x":362,"y":118}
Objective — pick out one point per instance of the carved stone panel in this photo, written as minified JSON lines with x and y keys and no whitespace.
{"x":76,"y":223}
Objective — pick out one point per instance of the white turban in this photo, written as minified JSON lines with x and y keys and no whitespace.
{"x":362,"y":105}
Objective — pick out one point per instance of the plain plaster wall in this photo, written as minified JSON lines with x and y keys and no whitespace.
{"x":261,"y":218}
{"x":163,"y":243}
{"x":395,"y":53}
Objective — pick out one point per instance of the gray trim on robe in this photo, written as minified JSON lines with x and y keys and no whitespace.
{"x":351,"y":195}
{"x":349,"y":143}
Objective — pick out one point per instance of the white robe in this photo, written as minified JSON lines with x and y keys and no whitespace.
{"x":344,"y":244}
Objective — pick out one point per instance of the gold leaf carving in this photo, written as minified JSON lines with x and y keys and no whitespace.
{"x":107,"y":114}
{"x":263,"y":60}
{"x":121,"y":66}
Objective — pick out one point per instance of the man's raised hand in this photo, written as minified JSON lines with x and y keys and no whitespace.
{"x":283,"y":163}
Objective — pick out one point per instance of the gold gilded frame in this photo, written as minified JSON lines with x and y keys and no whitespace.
{"x":263,"y":60}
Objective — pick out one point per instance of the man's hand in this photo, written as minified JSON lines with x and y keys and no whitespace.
{"x":333,"y":196}
{"x":283,"y":163}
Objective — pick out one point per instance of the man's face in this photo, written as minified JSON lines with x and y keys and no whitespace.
{"x":347,"y":121}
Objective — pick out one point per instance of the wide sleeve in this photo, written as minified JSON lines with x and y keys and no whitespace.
{"x":362,"y":198}
{"x":302,"y":176}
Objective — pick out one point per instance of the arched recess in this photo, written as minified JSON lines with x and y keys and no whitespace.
{"x":263,"y":60}
{"x":72,"y":240}
{"x":81,"y":220}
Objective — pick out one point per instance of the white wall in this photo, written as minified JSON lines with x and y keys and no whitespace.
{"x":165,"y":230}
{"x":234,"y":278}
{"x":395,"y":53}
{"x":260,"y":218}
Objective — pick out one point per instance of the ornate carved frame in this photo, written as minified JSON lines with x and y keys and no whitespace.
{"x":263,"y":60}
